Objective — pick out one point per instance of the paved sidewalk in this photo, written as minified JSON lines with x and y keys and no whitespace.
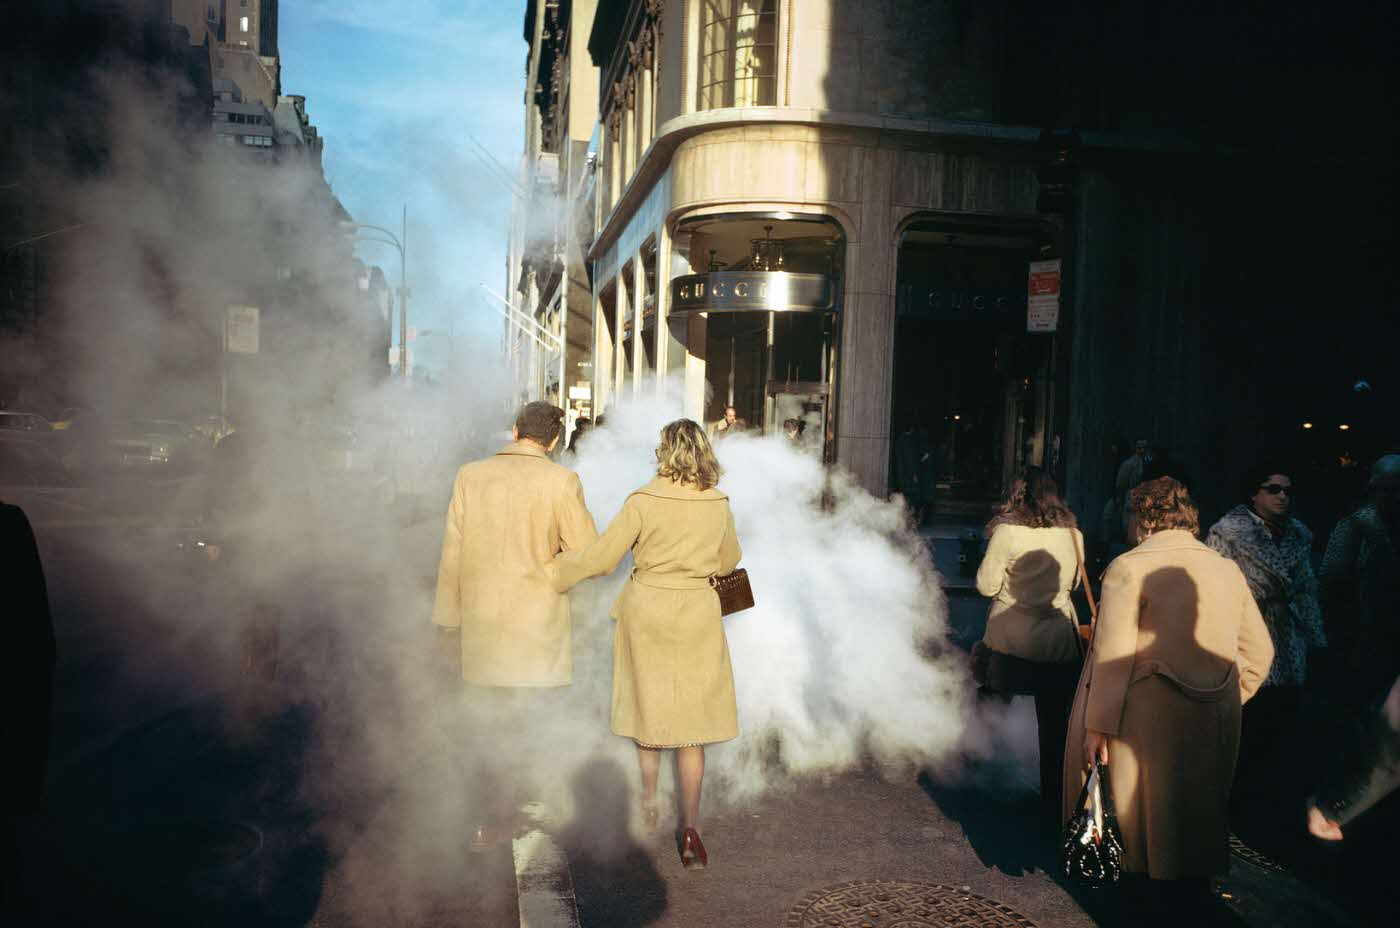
{"x":848,"y":850}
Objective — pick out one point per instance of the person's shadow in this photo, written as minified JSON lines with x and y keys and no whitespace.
{"x":616,"y":882}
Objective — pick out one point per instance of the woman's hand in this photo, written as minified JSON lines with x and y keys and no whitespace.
{"x":1095,"y":747}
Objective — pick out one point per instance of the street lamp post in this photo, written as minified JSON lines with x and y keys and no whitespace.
{"x":400,"y":242}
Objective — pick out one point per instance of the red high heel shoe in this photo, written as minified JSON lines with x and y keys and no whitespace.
{"x":693,"y":856}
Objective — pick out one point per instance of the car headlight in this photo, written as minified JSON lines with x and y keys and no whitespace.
{"x":162,"y":451}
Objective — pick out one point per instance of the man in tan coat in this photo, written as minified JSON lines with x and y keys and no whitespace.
{"x":510,"y":515}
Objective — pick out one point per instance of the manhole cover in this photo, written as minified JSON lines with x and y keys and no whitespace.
{"x":1250,"y":855}
{"x":891,"y":904}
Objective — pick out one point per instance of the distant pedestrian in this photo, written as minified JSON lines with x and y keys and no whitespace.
{"x":1031,"y":565}
{"x":673,"y":687}
{"x":1360,"y":588}
{"x":1132,"y":470}
{"x":510,"y":514}
{"x":731,"y":424}
{"x":1179,"y":646}
{"x":582,"y":426}
{"x":29,"y":671}
{"x":1274,"y":550}
{"x":910,"y":473}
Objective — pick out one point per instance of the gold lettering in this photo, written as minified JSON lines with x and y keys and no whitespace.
{"x":717,"y":289}
{"x":741,"y":289}
{"x":700,"y":290}
{"x":763,"y":290}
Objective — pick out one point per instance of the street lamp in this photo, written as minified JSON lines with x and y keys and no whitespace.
{"x":400,"y":242}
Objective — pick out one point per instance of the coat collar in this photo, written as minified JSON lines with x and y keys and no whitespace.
{"x":525,"y":449}
{"x":1172,"y":539}
{"x":666,"y":488}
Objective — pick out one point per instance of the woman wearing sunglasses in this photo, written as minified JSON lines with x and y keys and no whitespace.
{"x":1274,"y":550}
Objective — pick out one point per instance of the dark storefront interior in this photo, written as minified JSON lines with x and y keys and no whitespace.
{"x":972,"y":390}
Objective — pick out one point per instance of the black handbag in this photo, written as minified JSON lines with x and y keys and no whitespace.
{"x":1092,"y":850}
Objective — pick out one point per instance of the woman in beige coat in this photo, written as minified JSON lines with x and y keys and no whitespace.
{"x":673,"y":687}
{"x":1032,"y":638}
{"x":1179,"y":647}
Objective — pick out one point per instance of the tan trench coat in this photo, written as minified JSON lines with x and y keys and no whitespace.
{"x":510,"y":514}
{"x":1179,"y":647}
{"x":672,"y":681}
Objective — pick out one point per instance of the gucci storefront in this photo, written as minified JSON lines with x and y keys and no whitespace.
{"x":762,"y":293}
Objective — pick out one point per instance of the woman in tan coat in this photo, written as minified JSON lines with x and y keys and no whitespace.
{"x":673,"y":687}
{"x":1179,"y":647}
{"x":1032,"y":638}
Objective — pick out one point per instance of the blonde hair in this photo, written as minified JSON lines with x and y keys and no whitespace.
{"x":685,"y":455}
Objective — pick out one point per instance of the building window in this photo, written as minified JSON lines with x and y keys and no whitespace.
{"x":242,"y":24}
{"x":257,"y":141}
{"x":738,"y":53}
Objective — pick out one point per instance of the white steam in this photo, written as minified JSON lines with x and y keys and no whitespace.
{"x":844,"y":658}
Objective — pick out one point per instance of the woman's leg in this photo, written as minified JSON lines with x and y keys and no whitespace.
{"x":690,"y":772}
{"x":649,"y":759}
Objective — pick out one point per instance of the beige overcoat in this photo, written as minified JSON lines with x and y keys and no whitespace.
{"x":672,"y":681}
{"x":1179,"y":647}
{"x":1029,"y":574}
{"x":511,"y":514}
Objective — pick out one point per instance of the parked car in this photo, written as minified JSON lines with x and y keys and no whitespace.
{"x":164,"y":443}
{"x":71,"y":520}
{"x":24,"y":422}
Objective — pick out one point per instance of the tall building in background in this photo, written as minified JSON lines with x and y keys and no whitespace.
{"x":1018,"y":233}
{"x":549,"y":283}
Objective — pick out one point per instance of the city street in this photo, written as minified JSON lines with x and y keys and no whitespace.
{"x":435,"y":419}
{"x":184,"y":792}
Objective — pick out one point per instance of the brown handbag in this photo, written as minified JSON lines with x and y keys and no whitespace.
{"x":735,"y":594}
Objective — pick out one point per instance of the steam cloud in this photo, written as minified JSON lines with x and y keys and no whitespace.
{"x":843,"y":660}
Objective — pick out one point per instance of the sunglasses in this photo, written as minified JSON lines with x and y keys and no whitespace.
{"x":1274,"y":489}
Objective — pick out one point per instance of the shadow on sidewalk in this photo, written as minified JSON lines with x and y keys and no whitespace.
{"x":1014,"y":833}
{"x":616,"y":883}
{"x":179,"y":824}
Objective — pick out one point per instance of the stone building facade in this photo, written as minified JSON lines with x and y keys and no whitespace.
{"x":830,"y":210}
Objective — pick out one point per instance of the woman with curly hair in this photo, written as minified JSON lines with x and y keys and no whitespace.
{"x":1180,"y":646}
{"x":1031,"y":646}
{"x":673,"y":688}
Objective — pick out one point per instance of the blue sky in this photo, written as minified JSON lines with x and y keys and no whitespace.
{"x":397,"y":90}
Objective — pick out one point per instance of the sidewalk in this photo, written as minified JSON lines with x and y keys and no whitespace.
{"x":858,"y":850}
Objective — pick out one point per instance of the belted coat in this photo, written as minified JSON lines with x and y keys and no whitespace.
{"x":510,"y":514}
{"x":1179,"y":647}
{"x":672,"y":681}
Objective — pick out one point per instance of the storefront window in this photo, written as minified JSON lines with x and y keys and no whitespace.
{"x":769,"y":291}
{"x":738,"y":53}
{"x":973,"y":390}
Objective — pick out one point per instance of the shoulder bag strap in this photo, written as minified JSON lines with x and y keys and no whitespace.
{"x":1084,"y":579}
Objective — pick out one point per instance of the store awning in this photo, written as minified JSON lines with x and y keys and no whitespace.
{"x":754,"y":291}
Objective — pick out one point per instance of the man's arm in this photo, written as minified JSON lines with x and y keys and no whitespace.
{"x":576,"y":527}
{"x":447,"y":605}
